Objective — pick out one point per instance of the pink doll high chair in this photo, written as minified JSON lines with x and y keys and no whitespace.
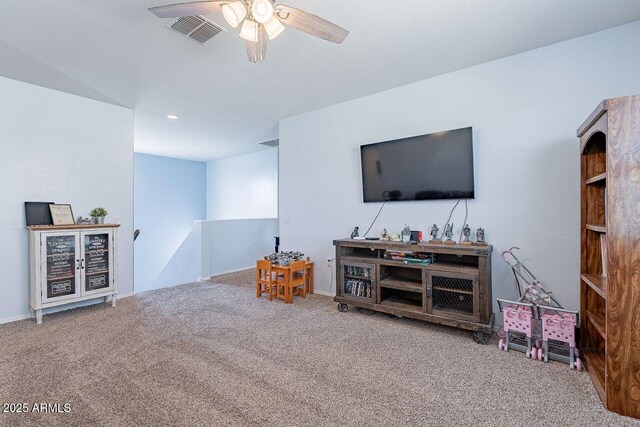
{"x":559,"y":325}
{"x":518,"y":317}
{"x":537,"y":314}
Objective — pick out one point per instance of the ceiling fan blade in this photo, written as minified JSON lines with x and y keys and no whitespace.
{"x":256,"y":51}
{"x":188,"y":9}
{"x":310,"y":24}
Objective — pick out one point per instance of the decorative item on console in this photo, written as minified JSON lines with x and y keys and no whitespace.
{"x":466,"y":231}
{"x":406,"y":233}
{"x":434,"y":234}
{"x":61,"y":214}
{"x":416,"y":236}
{"x":285,"y":258}
{"x":385,"y":235}
{"x":480,"y":237}
{"x":98,"y":215}
{"x":448,"y":232}
{"x":84,"y":221}
{"x":355,"y":233}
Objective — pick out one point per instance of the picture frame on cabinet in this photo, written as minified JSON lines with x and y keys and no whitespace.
{"x":62,"y":214}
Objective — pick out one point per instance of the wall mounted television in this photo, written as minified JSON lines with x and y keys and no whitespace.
{"x":426,"y":167}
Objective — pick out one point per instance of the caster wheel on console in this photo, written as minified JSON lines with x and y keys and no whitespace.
{"x":481,"y":338}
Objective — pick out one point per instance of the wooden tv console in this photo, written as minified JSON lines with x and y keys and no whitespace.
{"x":455,"y":290}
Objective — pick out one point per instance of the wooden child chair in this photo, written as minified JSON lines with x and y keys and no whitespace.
{"x":264,"y":280}
{"x":296,"y":283}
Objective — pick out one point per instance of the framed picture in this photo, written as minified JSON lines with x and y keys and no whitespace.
{"x":62,"y":215}
{"x":38,"y":213}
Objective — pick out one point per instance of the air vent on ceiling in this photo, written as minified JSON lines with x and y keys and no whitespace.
{"x":271,"y":143}
{"x":197,"y":28}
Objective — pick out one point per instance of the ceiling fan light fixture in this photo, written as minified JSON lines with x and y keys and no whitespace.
{"x":262,"y":10}
{"x":234,"y":13}
{"x":273,"y":27}
{"x":249,"y":30}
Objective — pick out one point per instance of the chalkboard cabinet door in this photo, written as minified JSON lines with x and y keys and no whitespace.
{"x":96,"y":261}
{"x":61,"y":266}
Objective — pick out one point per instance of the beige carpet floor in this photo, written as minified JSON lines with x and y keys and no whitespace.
{"x":212,"y":354}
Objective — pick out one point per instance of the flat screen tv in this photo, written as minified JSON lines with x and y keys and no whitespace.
{"x":427,"y":167}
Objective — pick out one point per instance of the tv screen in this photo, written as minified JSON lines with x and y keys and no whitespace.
{"x":427,"y":167}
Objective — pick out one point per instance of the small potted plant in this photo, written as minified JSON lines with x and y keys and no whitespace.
{"x":98,"y":215}
{"x":406,"y":233}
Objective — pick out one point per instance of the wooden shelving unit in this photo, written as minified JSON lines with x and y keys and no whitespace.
{"x":597,"y":283}
{"x":455,"y":290}
{"x":597,"y":228}
{"x":597,"y":180}
{"x":403,"y":285}
{"x":610,"y":246}
{"x":402,"y":304}
{"x":598,"y":322}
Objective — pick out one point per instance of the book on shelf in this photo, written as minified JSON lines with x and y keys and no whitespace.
{"x":411,"y":260}
{"x":603,"y":252}
{"x":351,"y":270}
{"x":409,"y":257}
{"x":358,"y":288}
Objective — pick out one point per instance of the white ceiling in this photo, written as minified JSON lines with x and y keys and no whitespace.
{"x":116,"y":51}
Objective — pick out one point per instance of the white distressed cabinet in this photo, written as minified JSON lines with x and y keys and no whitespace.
{"x":70,"y":264}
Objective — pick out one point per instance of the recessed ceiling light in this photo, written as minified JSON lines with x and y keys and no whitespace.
{"x":172,"y":117}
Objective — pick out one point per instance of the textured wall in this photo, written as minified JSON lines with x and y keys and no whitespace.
{"x":170,"y":194}
{"x":63,"y":148}
{"x":524,"y":110}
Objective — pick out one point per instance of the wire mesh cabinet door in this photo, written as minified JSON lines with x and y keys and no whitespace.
{"x":453,"y":294}
{"x":358,"y":281}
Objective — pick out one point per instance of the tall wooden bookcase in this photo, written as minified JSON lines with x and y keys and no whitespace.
{"x":610,"y":252}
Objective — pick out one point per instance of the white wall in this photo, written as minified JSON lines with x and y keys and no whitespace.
{"x":232,"y":245}
{"x":170,"y":194}
{"x":63,"y":148}
{"x":524,"y":109}
{"x":185,"y":264}
{"x":244,"y":186}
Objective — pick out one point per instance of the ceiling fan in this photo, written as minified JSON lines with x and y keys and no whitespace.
{"x":260,"y":19}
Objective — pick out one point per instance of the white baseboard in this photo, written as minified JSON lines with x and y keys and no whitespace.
{"x":323,"y":293}
{"x":55,"y":310}
{"x":15,"y":318}
{"x":222,"y":273}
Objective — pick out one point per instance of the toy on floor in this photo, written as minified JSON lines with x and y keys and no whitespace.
{"x":537,"y":316}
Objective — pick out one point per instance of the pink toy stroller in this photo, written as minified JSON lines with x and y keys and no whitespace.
{"x":537,"y":315}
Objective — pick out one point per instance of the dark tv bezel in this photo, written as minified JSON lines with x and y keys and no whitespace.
{"x":473,"y":163}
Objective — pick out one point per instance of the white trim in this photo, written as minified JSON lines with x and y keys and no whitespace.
{"x":32,"y":316}
{"x":323,"y":293}
{"x":16,"y":318}
{"x":200,"y":221}
{"x":222,"y":273}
